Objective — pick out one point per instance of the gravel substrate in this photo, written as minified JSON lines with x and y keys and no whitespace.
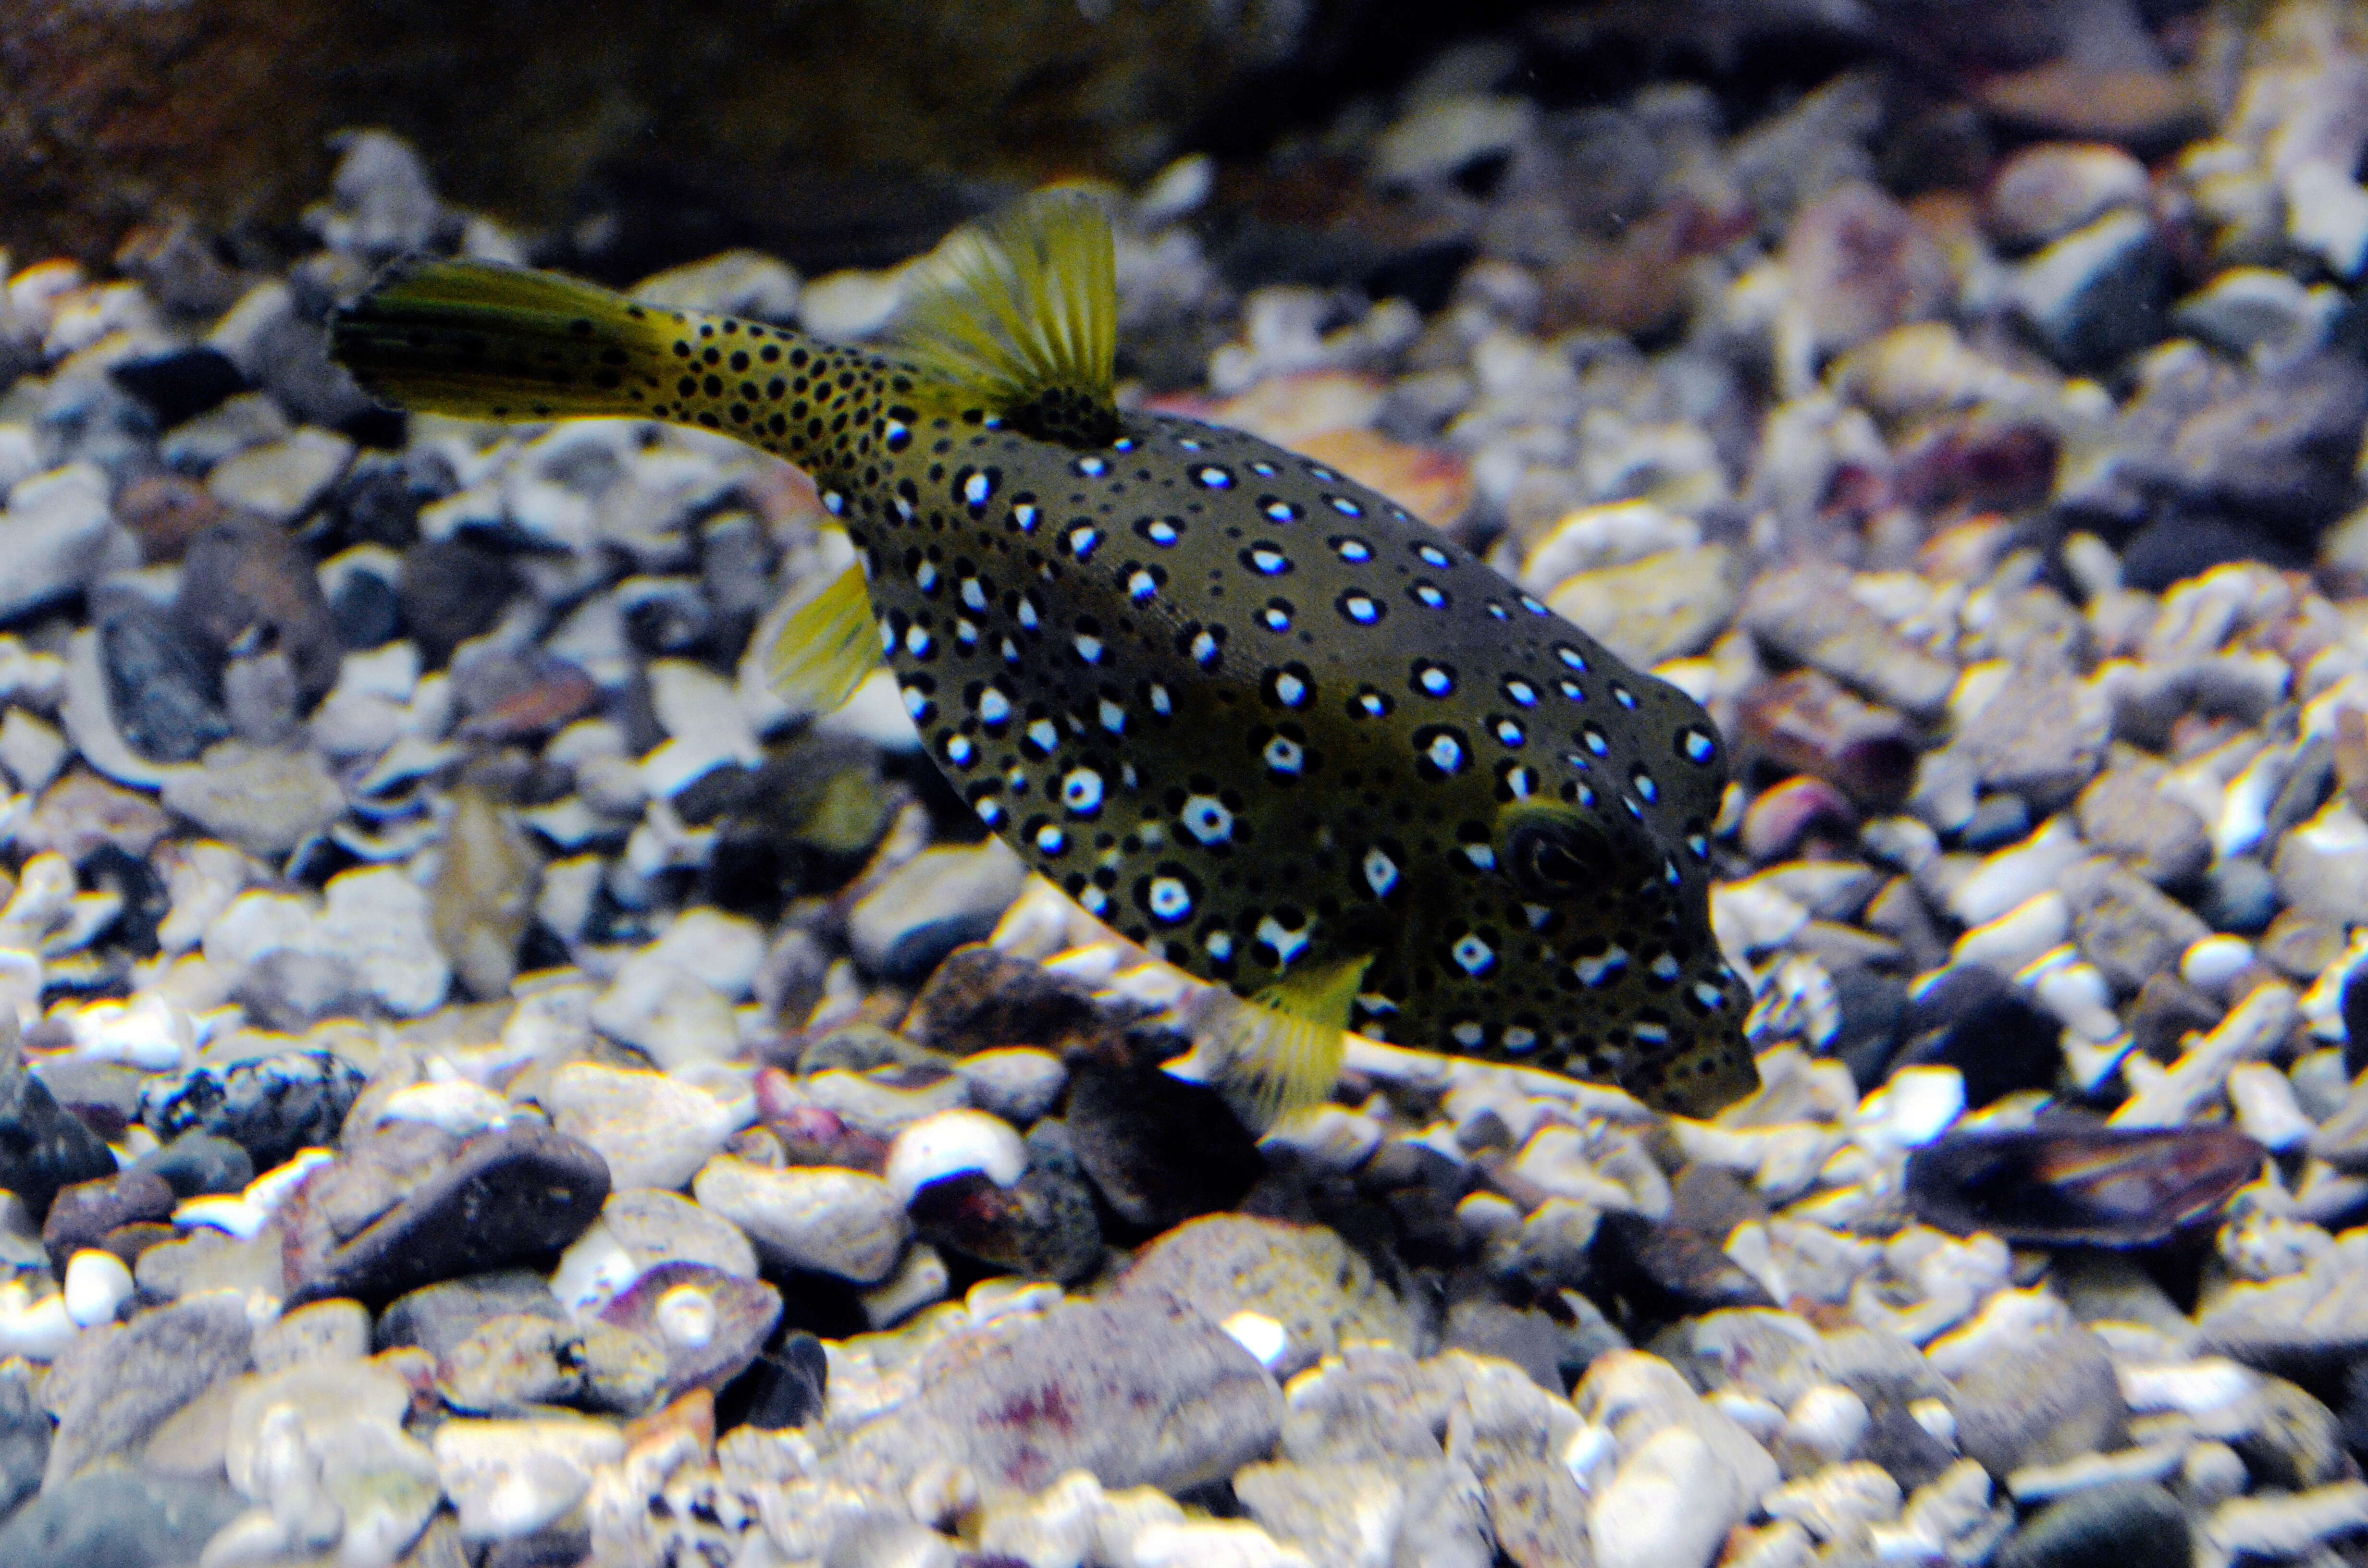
{"x":492,"y":1086}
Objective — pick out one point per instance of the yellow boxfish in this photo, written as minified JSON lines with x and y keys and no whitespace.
{"x":1246,"y":711}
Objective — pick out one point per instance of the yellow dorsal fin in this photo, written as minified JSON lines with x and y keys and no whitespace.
{"x":825,"y":646}
{"x":1022,"y":319}
{"x":1284,"y":1046}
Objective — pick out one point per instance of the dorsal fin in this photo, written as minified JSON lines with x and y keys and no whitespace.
{"x":1022,"y":320}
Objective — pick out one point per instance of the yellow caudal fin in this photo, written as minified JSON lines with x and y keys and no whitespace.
{"x":825,"y":646}
{"x":1283,"y":1047}
{"x":1019,"y":316}
{"x":486,"y":342}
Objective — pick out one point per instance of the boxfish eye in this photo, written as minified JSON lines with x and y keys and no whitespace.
{"x":1553,"y":857}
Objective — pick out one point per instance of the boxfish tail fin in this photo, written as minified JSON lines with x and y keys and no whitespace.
{"x":486,"y":342}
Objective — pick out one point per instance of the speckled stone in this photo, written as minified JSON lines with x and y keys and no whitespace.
{"x":1303,"y":1278}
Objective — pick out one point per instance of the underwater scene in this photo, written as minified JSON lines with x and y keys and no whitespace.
{"x":1183,"y":784}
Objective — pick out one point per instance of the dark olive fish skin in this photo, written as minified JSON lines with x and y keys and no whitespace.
{"x":1252,"y":714}
{"x":2076,"y":1182}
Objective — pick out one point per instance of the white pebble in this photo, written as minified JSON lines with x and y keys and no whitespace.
{"x":97,"y":1283}
{"x":1259,"y":1335}
{"x":1668,"y":1505}
{"x":2209,"y":965}
{"x":2266,"y":1107}
{"x":37,"y":1330}
{"x":1827,"y":1419}
{"x":948,"y":1142}
{"x":685,"y":1316}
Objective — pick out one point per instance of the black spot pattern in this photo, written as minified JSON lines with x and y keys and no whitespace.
{"x":1253,"y":741}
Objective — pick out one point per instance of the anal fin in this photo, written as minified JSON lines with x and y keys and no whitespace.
{"x":1284,"y":1046}
{"x":826,"y":646}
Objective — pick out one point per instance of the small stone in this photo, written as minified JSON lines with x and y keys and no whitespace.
{"x":165,"y":511}
{"x":118,"y":1520}
{"x":744,"y":283}
{"x":654,"y":1130}
{"x":1073,"y":1391}
{"x":452,"y":590}
{"x":97,"y":1283}
{"x":790,"y":1384}
{"x":42,"y":1148}
{"x":1657,"y":1510}
{"x":508,"y":1479}
{"x":1806,"y":722}
{"x":126,"y":1378}
{"x":269,"y":1106}
{"x":85,"y":1212}
{"x":326,"y":1333}
{"x":655,"y":1227}
{"x":283,"y":480}
{"x":979,"y":998}
{"x":1159,"y":1151}
{"x":669,"y":1014}
{"x":1041,"y":1225}
{"x":2096,"y":294}
{"x":438,"y":1318}
{"x":58,"y":530}
{"x":2322,"y":866}
{"x":1808,"y":614}
{"x":2047,"y":190}
{"x":514,"y":1362}
{"x":483,"y":892}
{"x":1302,"y":1277}
{"x":2127,"y":812}
{"x":263,"y":799}
{"x":24,"y":1438}
{"x":179,"y":384}
{"x":937,"y":901}
{"x":1664,"y":606}
{"x":2125,"y":924}
{"x":839,"y":1222}
{"x":2055,"y":1398}
{"x":1859,"y":266}
{"x":708,"y":1324}
{"x":2103,"y":1526}
{"x":1783,"y":815}
{"x":501,"y":1198}
{"x":245,"y":580}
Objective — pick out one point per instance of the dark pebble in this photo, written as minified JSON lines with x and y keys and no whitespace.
{"x":244,"y":579}
{"x":787,"y":1384}
{"x":2355,"y":1022}
{"x":81,"y":1214}
{"x":116,"y":1518}
{"x":180,"y":383}
{"x":197,"y":1164}
{"x":1679,"y":1266}
{"x":111,"y":868}
{"x":2183,"y":545}
{"x":1158,"y":1150}
{"x":1042,"y":1226}
{"x":979,"y":999}
{"x":269,"y":1106}
{"x":1527,"y":1338}
{"x":377,"y":502}
{"x":2166,"y":1011}
{"x":366,"y":609}
{"x":2114,"y":1526}
{"x":2072,"y":1181}
{"x":2239,"y":896}
{"x":165,"y":691}
{"x":1874,"y":1008}
{"x":1998,"y":821}
{"x":1975,"y":1020}
{"x":438,"y":1318}
{"x":452,"y":590}
{"x":42,"y":1147}
{"x":502,"y":1198}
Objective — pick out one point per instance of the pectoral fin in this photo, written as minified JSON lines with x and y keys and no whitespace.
{"x":1284,"y":1046}
{"x":826,"y":646}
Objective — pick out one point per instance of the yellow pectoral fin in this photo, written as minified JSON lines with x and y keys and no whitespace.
{"x":826,"y":646}
{"x":1284,"y":1046}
